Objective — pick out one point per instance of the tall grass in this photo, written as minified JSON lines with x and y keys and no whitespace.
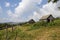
{"x":19,"y":34}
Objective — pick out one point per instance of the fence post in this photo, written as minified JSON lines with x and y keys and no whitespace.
{"x":16,"y":33}
{"x":12,"y":28}
{"x":6,"y":33}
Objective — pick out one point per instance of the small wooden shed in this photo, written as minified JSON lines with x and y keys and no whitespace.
{"x":47,"y":18}
{"x":31,"y":21}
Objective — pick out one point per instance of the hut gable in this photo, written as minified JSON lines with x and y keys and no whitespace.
{"x":47,"y":18}
{"x":31,"y":21}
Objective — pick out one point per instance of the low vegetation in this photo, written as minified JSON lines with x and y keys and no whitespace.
{"x":37,"y":31}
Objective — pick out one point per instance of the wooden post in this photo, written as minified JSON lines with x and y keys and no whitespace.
{"x":16,"y":33}
{"x":12,"y":28}
{"x":6,"y":33}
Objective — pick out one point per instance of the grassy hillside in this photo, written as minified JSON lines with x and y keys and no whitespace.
{"x":37,"y":31}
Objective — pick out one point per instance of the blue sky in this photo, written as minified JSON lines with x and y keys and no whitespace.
{"x":11,"y":5}
{"x":21,"y":10}
{"x":4,"y":8}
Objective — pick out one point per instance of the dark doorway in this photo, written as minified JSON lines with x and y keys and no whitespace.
{"x":48,"y":20}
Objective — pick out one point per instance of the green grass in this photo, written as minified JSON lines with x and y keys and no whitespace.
{"x":36,"y":31}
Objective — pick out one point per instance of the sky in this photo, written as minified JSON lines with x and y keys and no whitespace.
{"x":24,"y":10}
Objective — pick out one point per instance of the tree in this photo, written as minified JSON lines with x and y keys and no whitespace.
{"x":53,"y":1}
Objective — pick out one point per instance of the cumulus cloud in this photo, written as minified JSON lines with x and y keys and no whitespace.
{"x":7,"y":4}
{"x":12,"y":17}
{"x":0,"y":10}
{"x":50,"y":8}
{"x":3,"y":20}
{"x":26,"y":7}
{"x":36,"y":16}
{"x":11,"y":14}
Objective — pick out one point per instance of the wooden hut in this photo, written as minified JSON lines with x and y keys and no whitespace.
{"x":31,"y":21}
{"x":47,"y":18}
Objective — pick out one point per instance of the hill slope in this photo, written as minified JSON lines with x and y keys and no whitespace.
{"x":37,"y":31}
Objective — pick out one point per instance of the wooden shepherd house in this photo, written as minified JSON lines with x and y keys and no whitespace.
{"x":31,"y":21}
{"x":47,"y":18}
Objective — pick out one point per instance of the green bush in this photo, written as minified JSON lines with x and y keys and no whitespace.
{"x":38,"y":25}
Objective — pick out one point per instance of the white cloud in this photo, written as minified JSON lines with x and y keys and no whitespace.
{"x":24,"y":7}
{"x":2,"y":20}
{"x":0,"y":10}
{"x":36,"y":16}
{"x":30,"y":8}
{"x":7,"y":4}
{"x":58,"y":4}
{"x":27,"y":6}
{"x":50,"y":8}
{"x":11,"y":14}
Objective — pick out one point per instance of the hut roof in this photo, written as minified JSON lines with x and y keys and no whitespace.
{"x":31,"y":20}
{"x":46,"y":16}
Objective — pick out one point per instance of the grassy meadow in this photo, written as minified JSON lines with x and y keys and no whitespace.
{"x":36,"y":31}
